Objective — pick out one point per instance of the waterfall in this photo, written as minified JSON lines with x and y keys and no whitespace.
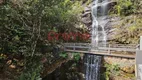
{"x":99,"y":14}
{"x":92,"y":63}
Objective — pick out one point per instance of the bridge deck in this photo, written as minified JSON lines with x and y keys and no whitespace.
{"x":108,"y":50}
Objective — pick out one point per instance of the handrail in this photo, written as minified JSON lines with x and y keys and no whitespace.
{"x":104,"y":51}
{"x":109,"y":47}
{"x":100,"y":44}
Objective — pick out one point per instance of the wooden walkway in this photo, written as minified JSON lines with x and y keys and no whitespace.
{"x":107,"y":50}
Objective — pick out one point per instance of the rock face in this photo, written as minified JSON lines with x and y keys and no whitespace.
{"x":126,"y":68}
{"x":126,"y":65}
{"x":86,"y":17}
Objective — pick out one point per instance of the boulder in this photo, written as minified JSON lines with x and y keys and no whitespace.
{"x":128,"y":69}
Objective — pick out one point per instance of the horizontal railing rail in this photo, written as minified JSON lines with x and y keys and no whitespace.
{"x":105,"y":50}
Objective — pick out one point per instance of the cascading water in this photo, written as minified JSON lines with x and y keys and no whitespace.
{"x":92,"y":65}
{"x":92,"y":62}
{"x":99,"y":12}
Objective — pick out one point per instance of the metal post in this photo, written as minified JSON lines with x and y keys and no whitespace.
{"x":139,"y":62}
{"x":64,"y":46}
{"x":140,"y":42}
{"x":74,"y":46}
{"x":109,"y":49}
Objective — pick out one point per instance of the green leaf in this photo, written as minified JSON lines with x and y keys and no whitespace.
{"x":76,"y":56}
{"x":63,"y":54}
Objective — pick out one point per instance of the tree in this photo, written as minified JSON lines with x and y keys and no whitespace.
{"x":24,"y":25}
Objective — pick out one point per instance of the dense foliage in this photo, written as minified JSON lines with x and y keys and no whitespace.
{"x":24,"y":25}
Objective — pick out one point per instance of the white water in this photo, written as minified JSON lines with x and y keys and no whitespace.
{"x":92,"y":62}
{"x":99,"y":12}
{"x":92,"y":65}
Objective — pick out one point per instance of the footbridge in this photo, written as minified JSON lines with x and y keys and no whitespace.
{"x":114,"y":50}
{"x":132,"y":51}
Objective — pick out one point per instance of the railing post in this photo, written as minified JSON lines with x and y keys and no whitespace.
{"x":64,"y":47}
{"x":74,"y":46}
{"x":141,"y":43}
{"x":139,"y":62}
{"x":109,"y":49}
